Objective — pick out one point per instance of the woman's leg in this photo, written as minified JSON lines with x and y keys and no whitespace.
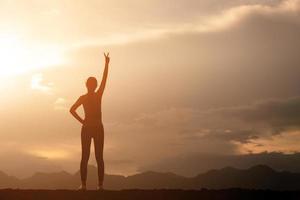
{"x":98,"y":144}
{"x":85,"y":146}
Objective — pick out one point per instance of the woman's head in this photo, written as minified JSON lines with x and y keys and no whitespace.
{"x":91,"y":84}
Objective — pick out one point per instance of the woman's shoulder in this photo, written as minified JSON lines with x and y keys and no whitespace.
{"x":83,"y":97}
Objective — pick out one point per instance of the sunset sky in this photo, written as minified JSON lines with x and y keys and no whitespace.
{"x":190,"y":82}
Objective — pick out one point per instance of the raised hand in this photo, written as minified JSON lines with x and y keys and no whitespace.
{"x":107,"y":58}
{"x":104,"y":76}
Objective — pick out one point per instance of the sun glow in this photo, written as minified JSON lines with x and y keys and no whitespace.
{"x":18,"y":55}
{"x":50,"y":154}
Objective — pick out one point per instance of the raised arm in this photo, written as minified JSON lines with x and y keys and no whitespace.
{"x":74,"y":108}
{"x":104,"y":77}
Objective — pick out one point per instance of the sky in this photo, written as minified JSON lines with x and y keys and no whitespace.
{"x":193,"y":85}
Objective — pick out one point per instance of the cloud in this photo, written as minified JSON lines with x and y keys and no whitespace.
{"x":279,"y":115}
{"x":229,"y":16}
{"x":60,"y":104}
{"x":235,"y":15}
{"x":37,"y":83}
{"x":114,"y":21}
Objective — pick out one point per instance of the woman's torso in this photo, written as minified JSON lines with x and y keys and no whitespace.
{"x":92,"y":109}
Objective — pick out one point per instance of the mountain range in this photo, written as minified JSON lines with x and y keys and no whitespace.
{"x":256,"y":177}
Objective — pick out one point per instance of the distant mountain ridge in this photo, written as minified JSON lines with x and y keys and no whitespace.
{"x":256,"y":177}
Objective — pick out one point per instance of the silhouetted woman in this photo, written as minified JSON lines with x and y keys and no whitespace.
{"x":92,"y":127}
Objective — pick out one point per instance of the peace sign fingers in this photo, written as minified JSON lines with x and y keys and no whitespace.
{"x":107,"y":59}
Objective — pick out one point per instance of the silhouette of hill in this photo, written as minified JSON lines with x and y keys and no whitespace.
{"x":257,"y":177}
{"x":50,"y":181}
{"x":8,"y":181}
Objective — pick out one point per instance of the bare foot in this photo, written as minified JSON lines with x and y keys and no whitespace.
{"x":82,"y":187}
{"x":100,"y":188}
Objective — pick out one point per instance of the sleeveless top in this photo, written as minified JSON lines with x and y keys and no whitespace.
{"x":92,"y":109}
